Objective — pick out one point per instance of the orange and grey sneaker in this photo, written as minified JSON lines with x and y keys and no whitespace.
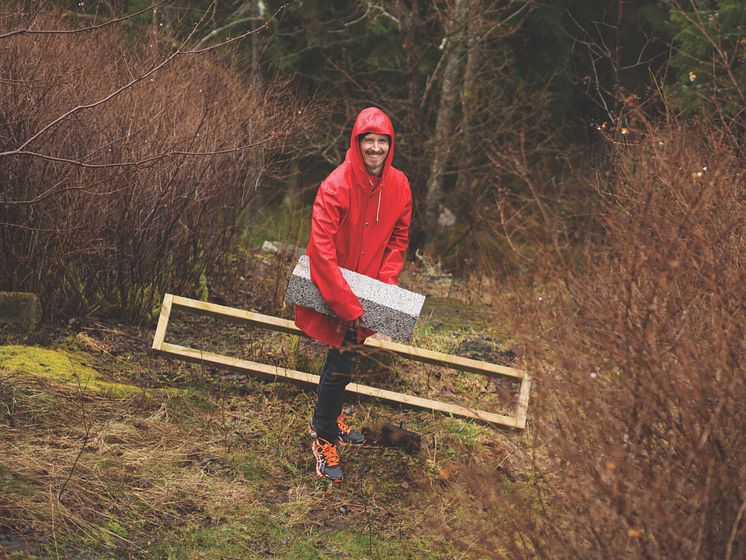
{"x":327,"y":460}
{"x":346,"y":435}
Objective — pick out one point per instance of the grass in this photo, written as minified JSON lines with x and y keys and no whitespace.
{"x":111,"y":452}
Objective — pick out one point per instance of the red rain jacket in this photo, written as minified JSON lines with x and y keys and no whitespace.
{"x":361,"y":223}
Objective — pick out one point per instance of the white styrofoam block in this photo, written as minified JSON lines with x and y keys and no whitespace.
{"x":388,"y":309}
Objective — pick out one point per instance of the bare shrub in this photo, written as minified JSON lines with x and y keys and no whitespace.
{"x":638,"y":420}
{"x":123,"y":201}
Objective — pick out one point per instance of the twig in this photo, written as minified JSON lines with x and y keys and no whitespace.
{"x":88,"y":425}
{"x":138,"y":162}
{"x":219,"y":30}
{"x":29,"y":31}
{"x":734,"y":531}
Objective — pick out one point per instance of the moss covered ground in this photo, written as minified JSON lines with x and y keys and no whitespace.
{"x":108,"y":451}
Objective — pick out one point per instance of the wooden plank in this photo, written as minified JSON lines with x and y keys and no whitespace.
{"x":522,"y":408}
{"x":238,"y":364}
{"x":160,"y":331}
{"x":442,"y":359}
{"x":430,"y":404}
{"x":201,"y":357}
{"x":236,"y":315}
{"x":410,"y":352}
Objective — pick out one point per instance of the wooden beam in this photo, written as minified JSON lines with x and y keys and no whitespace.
{"x":275,"y":372}
{"x":236,"y":315}
{"x":441,"y":359}
{"x":403,"y":350}
{"x":160,"y":331}
{"x":523,"y":394}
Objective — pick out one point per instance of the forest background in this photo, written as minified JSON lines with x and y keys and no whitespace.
{"x":585,"y":157}
{"x":508,"y":114}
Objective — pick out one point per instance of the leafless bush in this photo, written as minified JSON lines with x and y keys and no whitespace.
{"x":638,"y":417}
{"x":121,"y":201}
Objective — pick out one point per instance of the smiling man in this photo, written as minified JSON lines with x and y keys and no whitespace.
{"x":360,"y":221}
{"x":374,"y":148}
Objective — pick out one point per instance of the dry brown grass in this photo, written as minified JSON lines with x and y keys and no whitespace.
{"x":60,"y":480}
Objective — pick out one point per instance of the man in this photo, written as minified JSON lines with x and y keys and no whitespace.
{"x":360,"y":221}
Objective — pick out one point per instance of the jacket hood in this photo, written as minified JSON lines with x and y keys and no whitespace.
{"x":374,"y":120}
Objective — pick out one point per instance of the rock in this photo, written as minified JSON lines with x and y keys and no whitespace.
{"x":278,"y":247}
{"x":20,"y":311}
{"x":446,"y":217}
{"x":395,"y":436}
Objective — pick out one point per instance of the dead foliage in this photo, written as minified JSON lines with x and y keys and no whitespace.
{"x":105,"y":204}
{"x":639,"y":359}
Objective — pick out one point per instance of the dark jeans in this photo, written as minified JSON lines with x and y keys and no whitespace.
{"x":335,"y":375}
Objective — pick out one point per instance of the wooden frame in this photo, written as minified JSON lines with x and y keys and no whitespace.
{"x":283,"y":325}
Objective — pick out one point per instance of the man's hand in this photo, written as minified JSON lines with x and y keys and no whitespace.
{"x":384,"y":337}
{"x":357,"y":323}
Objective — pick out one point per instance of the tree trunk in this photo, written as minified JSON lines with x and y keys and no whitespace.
{"x":414,"y":114}
{"x":468,"y":101}
{"x":257,"y":84}
{"x":444,"y":122}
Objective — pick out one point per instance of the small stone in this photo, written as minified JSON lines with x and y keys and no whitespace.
{"x":446,"y":218}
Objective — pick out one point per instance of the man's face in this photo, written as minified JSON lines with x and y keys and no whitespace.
{"x":374,"y":148}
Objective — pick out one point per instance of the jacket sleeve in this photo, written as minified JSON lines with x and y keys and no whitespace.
{"x":393,"y":255}
{"x":328,"y":211}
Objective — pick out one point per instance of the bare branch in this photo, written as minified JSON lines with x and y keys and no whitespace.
{"x":151,"y":159}
{"x":219,"y":30}
{"x":237,"y":37}
{"x":29,"y":31}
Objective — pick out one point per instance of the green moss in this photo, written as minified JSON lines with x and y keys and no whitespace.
{"x":237,"y":538}
{"x":360,"y":544}
{"x":246,"y":463}
{"x":116,"y":528}
{"x":62,"y":367}
{"x":258,"y":537}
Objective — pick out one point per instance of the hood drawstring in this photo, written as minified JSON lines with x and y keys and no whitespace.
{"x":378,"y":210}
{"x":379,"y":205}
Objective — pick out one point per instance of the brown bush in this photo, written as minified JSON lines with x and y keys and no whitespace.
{"x":638,"y":418}
{"x":140,"y":213}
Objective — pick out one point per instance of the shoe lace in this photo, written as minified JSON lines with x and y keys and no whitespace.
{"x":343,"y":427}
{"x":329,"y":451}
